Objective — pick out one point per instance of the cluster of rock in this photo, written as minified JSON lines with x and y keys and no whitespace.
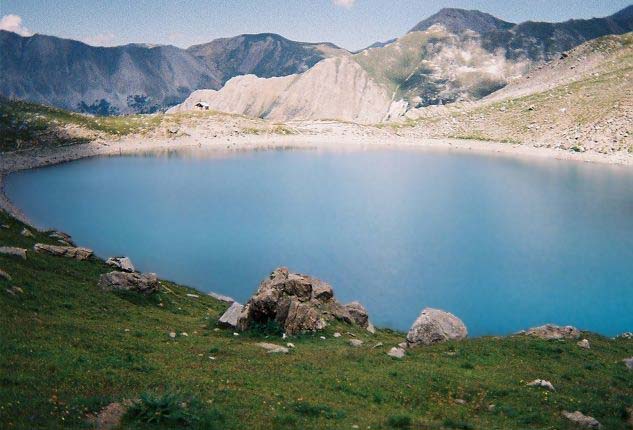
{"x":554,"y":332}
{"x":63,"y":251}
{"x":296,"y":303}
{"x":145,"y":283}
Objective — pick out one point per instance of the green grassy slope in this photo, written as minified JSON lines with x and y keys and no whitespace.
{"x":67,"y":349}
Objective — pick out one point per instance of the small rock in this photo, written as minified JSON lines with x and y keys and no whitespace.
{"x":355,"y":342}
{"x":492,"y":408}
{"x":403,"y":345}
{"x":172,"y":334}
{"x":61,"y":236}
{"x":231,"y":317}
{"x":337,"y":334}
{"x":4,"y":275}
{"x":582,"y":420}
{"x":123,"y":263}
{"x":10,"y":250}
{"x":273,"y":349}
{"x":235,"y":334}
{"x":628,"y":362}
{"x":460,"y":401}
{"x":185,"y":334}
{"x":378,"y":345}
{"x":14,"y":291}
{"x":27,"y":233}
{"x":6,"y":226}
{"x":110,"y":417}
{"x":63,"y":251}
{"x":434,"y":326}
{"x":396,"y":352}
{"x":322,"y":337}
{"x":541,"y":383}
{"x":193,"y":296}
{"x":290,"y":345}
{"x":211,"y":357}
{"x":554,"y":332}
{"x":222,"y":298}
{"x":145,"y":283}
{"x":584,"y":344}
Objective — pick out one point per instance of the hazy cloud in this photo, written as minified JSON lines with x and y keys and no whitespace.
{"x":102,"y":39}
{"x":344,"y":3}
{"x":14,"y":23}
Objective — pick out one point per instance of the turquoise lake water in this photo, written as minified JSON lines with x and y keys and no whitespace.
{"x":503,"y":243}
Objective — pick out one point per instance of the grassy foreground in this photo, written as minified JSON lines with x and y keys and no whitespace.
{"x":67,"y":349}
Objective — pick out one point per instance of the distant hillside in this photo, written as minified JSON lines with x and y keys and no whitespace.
{"x":139,"y":78}
{"x":580,"y":101}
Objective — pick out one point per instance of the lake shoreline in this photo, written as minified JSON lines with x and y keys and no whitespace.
{"x":34,"y":158}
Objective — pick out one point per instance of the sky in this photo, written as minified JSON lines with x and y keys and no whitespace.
{"x":351,"y":24}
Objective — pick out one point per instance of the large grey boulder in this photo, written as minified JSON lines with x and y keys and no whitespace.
{"x":11,"y":250}
{"x":63,"y":251}
{"x":122,"y":263}
{"x":554,"y":332}
{"x":434,"y":326}
{"x":232,"y":315}
{"x":296,"y":302}
{"x":582,"y":420}
{"x":145,"y":283}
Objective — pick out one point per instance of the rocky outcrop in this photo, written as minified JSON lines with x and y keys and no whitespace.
{"x":122,"y":263}
{"x":554,"y":332}
{"x":63,"y":251}
{"x":61,"y":237}
{"x":296,"y":302}
{"x":27,"y":233}
{"x":222,"y":298}
{"x":434,"y":326}
{"x":232,"y":315}
{"x":582,"y":420}
{"x":4,"y":275}
{"x":145,"y":283}
{"x":11,"y":250}
{"x":335,"y":88}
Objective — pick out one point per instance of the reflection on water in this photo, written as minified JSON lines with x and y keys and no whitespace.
{"x":504,"y":243}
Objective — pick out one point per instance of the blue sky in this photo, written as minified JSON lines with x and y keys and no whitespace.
{"x":352,"y":24}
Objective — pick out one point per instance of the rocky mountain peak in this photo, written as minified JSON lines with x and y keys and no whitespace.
{"x":459,"y":20}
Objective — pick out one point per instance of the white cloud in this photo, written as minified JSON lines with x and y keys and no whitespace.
{"x":347,"y":4}
{"x":14,"y":23}
{"x":102,"y":39}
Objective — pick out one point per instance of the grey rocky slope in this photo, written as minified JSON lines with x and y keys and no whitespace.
{"x":140,"y":78}
{"x":336,"y":88}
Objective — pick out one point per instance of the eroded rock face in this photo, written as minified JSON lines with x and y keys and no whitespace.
{"x":554,"y":332}
{"x":296,"y":302}
{"x":123,"y":263}
{"x":63,"y":251}
{"x":145,"y":283}
{"x":434,"y":326}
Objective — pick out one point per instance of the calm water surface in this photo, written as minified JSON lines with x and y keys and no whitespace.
{"x":503,"y":243}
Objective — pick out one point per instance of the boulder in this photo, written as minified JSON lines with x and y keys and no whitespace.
{"x":396,"y":352}
{"x":11,"y":250}
{"x":358,"y":313}
{"x":434,"y":326}
{"x":584,"y":344}
{"x":26,"y":232}
{"x":220,"y":297}
{"x":145,"y":283}
{"x":61,"y":237}
{"x":122,"y":263}
{"x":355,"y":342}
{"x":542,"y":383}
{"x":582,"y":420}
{"x":554,"y":332}
{"x":63,"y":251}
{"x":296,"y":302}
{"x":232,"y":315}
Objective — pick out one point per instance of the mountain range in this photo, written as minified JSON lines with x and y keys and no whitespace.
{"x":454,"y":55}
